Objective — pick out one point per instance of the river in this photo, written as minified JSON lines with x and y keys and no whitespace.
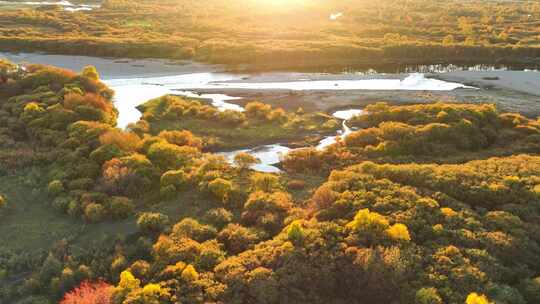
{"x":136,"y":81}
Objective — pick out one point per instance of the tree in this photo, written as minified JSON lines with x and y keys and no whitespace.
{"x":149,"y":294}
{"x":55,"y":187}
{"x":89,"y":293}
{"x":181,"y":138}
{"x":152,"y":223}
{"x":125,"y":141}
{"x":474,"y":298}
{"x":191,"y":228}
{"x":189,"y":274}
{"x":121,"y":207}
{"x":399,"y":232}
{"x":90,"y":72}
{"x":169,"y":156}
{"x":221,"y":188}
{"x":369,"y":226}
{"x":258,"y":110}
{"x":244,"y":160}
{"x":94,"y":212}
{"x":295,"y":232}
{"x":324,"y":197}
{"x":264,"y":182}
{"x":531,"y":290}
{"x":175,"y":178}
{"x":128,"y":283}
{"x":428,"y":295}
{"x":237,"y":238}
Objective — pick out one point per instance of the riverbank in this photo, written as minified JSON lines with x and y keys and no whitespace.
{"x":116,"y":68}
{"x":527,"y":82}
{"x":512,"y":91}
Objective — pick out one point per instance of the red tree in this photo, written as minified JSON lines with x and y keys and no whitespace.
{"x":89,"y":293}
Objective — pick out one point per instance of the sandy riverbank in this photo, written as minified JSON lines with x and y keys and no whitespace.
{"x":506,"y":100}
{"x":511,"y":91}
{"x":527,"y":82}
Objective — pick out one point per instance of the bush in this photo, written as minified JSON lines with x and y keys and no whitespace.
{"x":264,"y":182}
{"x":167,"y":192}
{"x":475,"y":298}
{"x":531,"y":290}
{"x":237,"y":238}
{"x":218,"y":217}
{"x":125,"y":141}
{"x":90,"y":72}
{"x":181,"y":138}
{"x":89,"y":293}
{"x":193,"y":229}
{"x":428,"y":296}
{"x":169,"y":156}
{"x":152,"y":223}
{"x":94,"y":212}
{"x":177,"y":179}
{"x":55,"y":187}
{"x":244,"y":160}
{"x":220,"y":188}
{"x":121,"y":207}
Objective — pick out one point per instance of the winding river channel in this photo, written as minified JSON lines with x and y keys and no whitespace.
{"x":136,"y":81}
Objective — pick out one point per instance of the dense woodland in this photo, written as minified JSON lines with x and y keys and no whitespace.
{"x":435,"y":203}
{"x":285,"y":34}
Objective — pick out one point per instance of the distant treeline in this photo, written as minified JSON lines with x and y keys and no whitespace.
{"x":278,"y":37}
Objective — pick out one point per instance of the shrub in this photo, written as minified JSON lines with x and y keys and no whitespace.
{"x":55,"y":187}
{"x":167,"y":192}
{"x":369,"y":226}
{"x":152,"y":223}
{"x":295,"y":232}
{"x":105,"y":153}
{"x":530,"y":288}
{"x":90,"y":72}
{"x":169,"y":156}
{"x":399,"y":232}
{"x":428,"y":296}
{"x":190,"y":274}
{"x":324,"y":197}
{"x":121,"y":207}
{"x":475,"y":298}
{"x":125,"y":141}
{"x":237,"y":238}
{"x":177,"y":179}
{"x":181,"y":138}
{"x":244,"y":160}
{"x":218,"y":217}
{"x":94,"y":212}
{"x":191,"y":228}
{"x":264,"y":182}
{"x":258,"y":110}
{"x":220,"y":188}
